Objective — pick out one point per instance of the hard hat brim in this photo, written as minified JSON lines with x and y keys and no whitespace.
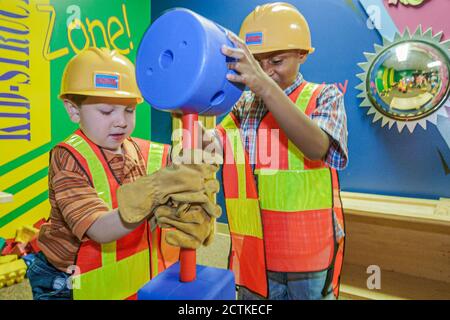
{"x":116,"y":94}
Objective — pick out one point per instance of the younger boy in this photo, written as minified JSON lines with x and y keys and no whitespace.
{"x":100,"y":193}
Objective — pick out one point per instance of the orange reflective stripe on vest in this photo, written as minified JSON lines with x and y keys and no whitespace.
{"x":118,"y":269}
{"x":247,"y":254}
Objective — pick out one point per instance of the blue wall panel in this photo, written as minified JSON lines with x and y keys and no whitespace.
{"x":382,"y":161}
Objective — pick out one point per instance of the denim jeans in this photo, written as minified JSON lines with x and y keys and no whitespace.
{"x":293,"y":286}
{"x":47,"y":282}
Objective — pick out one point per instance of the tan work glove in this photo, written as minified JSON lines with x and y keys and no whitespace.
{"x":193,"y":219}
{"x":194,"y":226}
{"x":207,"y":171}
{"x":202,"y":162}
{"x":137,"y":200}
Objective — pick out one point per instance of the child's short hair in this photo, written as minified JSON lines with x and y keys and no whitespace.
{"x":77,"y":99}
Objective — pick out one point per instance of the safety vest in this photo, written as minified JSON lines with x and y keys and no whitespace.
{"x":117,"y":270}
{"x":284,"y":222}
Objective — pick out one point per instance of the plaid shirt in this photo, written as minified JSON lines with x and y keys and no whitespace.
{"x":329,"y":115}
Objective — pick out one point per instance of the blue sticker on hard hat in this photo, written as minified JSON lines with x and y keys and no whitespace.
{"x":106,"y":81}
{"x":254,"y":38}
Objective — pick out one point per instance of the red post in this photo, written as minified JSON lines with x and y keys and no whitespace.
{"x":188,"y":256}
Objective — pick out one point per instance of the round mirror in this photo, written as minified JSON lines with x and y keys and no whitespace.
{"x":409,"y":80}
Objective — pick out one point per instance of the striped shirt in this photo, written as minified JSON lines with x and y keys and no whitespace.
{"x":329,"y":115}
{"x":75,"y":205}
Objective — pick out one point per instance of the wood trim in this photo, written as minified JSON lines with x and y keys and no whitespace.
{"x":436,"y":212}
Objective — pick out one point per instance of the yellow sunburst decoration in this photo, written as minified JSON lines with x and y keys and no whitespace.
{"x":406,"y":81}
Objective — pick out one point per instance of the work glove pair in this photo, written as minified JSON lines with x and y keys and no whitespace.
{"x":176,"y":183}
{"x":193,"y":222}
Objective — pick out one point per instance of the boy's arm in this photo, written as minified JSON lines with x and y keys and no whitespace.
{"x":308,"y":134}
{"x":299,"y":128}
{"x":330,"y":116}
{"x":73,"y":194}
{"x":84,"y":212}
{"x":88,"y":216}
{"x":110,"y":227}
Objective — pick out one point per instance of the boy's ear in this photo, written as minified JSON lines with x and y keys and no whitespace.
{"x":72,"y":110}
{"x":302,"y":57}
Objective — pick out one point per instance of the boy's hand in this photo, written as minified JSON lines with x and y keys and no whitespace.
{"x":249,"y":71}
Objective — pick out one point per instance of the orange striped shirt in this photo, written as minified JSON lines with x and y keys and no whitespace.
{"x":75,"y":205}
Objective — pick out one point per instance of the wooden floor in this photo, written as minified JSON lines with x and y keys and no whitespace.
{"x":408,"y":239}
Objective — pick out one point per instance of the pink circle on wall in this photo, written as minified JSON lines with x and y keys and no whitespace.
{"x":432,"y":13}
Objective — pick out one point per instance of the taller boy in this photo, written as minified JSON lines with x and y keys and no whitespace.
{"x":282,"y":199}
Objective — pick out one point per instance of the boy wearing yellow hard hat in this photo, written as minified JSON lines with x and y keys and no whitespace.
{"x":103,"y":188}
{"x":282,"y":200}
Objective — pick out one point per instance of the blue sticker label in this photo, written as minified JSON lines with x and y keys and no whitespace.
{"x":254,"y":38}
{"x":106,"y":81}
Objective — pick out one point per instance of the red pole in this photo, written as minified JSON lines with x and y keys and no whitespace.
{"x":188,"y":256}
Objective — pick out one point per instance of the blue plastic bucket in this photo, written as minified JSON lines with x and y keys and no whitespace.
{"x":180,"y":66}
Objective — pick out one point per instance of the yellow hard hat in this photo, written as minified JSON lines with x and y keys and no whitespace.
{"x":274,"y":27}
{"x":100,"y":73}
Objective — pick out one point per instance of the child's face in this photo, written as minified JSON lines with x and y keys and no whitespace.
{"x":106,"y":121}
{"x":281,"y":66}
